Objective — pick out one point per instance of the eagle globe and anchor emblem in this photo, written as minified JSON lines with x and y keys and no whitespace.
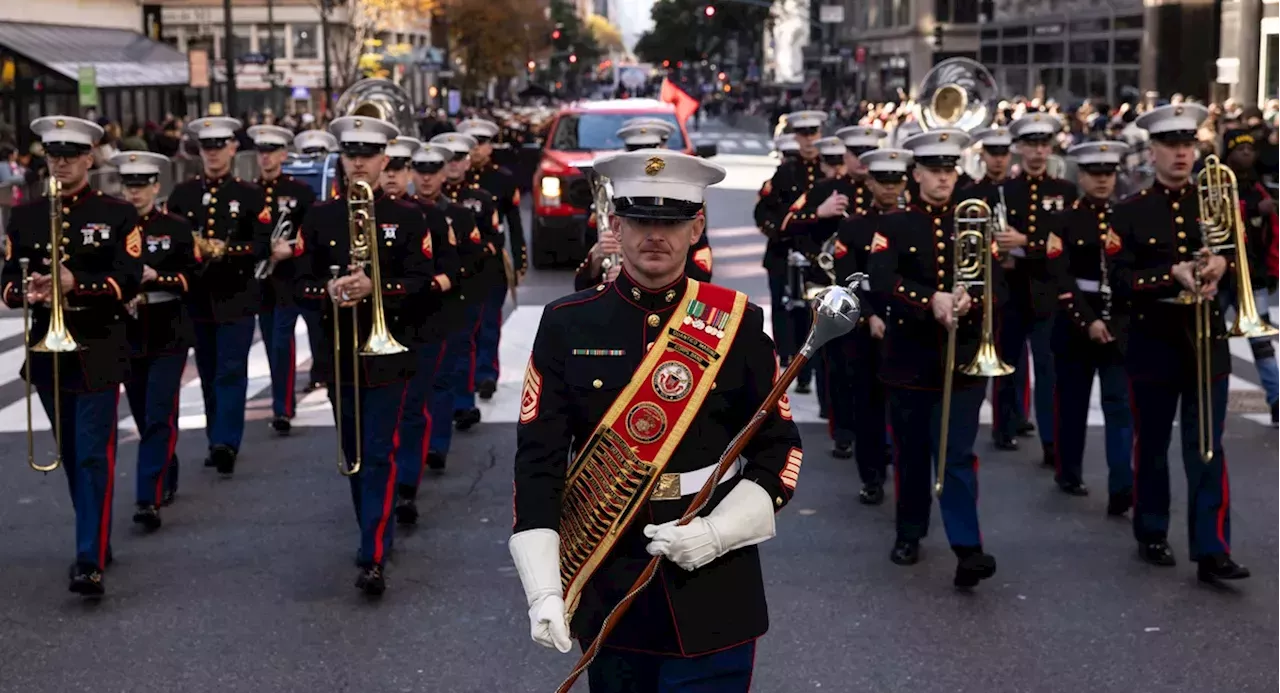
{"x":672,"y":381}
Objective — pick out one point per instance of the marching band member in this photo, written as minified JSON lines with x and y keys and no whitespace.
{"x":404,"y":259}
{"x":706,"y":607}
{"x":315,"y":143}
{"x":1258,"y":213}
{"x":646,"y":134}
{"x":501,"y":183}
{"x":100,"y":273}
{"x":790,"y":182}
{"x":1089,"y":331}
{"x":234,"y":227}
{"x":449,"y":326}
{"x":1032,"y":198}
{"x":485,"y":304}
{"x":288,"y":201}
{"x":160,"y":333}
{"x":912,"y":264}
{"x":995,"y":143}
{"x":858,"y":414}
{"x":1160,"y":246}
{"x":786,"y":146}
{"x":422,"y":315}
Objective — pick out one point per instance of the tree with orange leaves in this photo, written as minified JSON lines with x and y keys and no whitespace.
{"x":494,"y":38}
{"x":355,"y":26}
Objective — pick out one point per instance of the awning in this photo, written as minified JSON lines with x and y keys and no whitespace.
{"x":121,"y":58}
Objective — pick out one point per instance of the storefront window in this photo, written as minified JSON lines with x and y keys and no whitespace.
{"x":1049,"y":52}
{"x":1051,"y":79}
{"x":1014,"y":55}
{"x":1090,"y":26}
{"x":990,"y":55}
{"x":1090,"y":52}
{"x":1015,"y":81}
{"x":1271,"y":77}
{"x":942,"y":10}
{"x":902,"y":12}
{"x":965,"y":11}
{"x":305,"y":40}
{"x":1126,"y":90}
{"x":240,"y":43}
{"x":1133,"y":21}
{"x":275,"y":47}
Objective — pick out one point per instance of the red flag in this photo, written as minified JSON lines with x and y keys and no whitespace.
{"x":685,"y":105}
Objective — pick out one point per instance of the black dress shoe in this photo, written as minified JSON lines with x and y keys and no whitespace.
{"x":281,"y":425}
{"x":842,"y":451}
{"x":406,"y":512}
{"x":1004,"y":442}
{"x":148,"y":516}
{"x":905,"y":552}
{"x":871,"y":494}
{"x":1073,"y":488}
{"x":464,"y":419}
{"x":1275,"y":414}
{"x":1219,"y":566}
{"x":974,"y":568}
{"x":224,"y":458}
{"x":1025,"y":429}
{"x":802,"y":387}
{"x":1119,"y":503}
{"x":209,"y":461}
{"x":1050,"y":458}
{"x":485,"y":389}
{"x":1157,"y":553}
{"x":435,"y":461}
{"x":86,"y":580}
{"x":372,"y":581}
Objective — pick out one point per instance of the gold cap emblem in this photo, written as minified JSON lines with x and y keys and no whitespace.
{"x":1177,"y":111}
{"x":208,"y":123}
{"x":1035,"y":118}
{"x":133,"y":157}
{"x":654,"y":166}
{"x":1103,"y":148}
{"x":359,"y":123}
{"x":943,"y":137}
{"x":893,"y":155}
{"x":60,"y":123}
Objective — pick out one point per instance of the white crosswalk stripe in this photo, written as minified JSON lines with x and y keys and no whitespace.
{"x":518,"y":332}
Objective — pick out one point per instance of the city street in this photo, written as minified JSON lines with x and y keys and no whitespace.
{"x":248,"y":587}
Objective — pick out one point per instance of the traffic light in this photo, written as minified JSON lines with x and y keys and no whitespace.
{"x":555,"y":35}
{"x":532,"y":66}
{"x":573,"y":57}
{"x":709,"y":10}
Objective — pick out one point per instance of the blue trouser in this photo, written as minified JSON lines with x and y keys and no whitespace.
{"x":462,"y":354}
{"x":912,"y":413}
{"x":321,"y":368}
{"x":1264,"y":352}
{"x":624,"y":671}
{"x":840,"y":364}
{"x":869,"y":417}
{"x":444,"y":392}
{"x":222,"y":360}
{"x":89,"y":460}
{"x":417,"y":422}
{"x":277,"y":336}
{"x":1074,"y":385}
{"x":488,"y":334}
{"x":373,"y":487}
{"x":1018,"y":328}
{"x":788,"y":336}
{"x":152,"y":389}
{"x":1208,"y":497}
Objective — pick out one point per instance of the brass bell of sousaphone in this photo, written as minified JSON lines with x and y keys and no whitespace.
{"x":381,"y":99}
{"x":957,"y":93}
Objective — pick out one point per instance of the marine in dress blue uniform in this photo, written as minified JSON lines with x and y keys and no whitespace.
{"x":100,"y":272}
{"x":404,"y":257}
{"x":1160,"y":244}
{"x":487,"y":289}
{"x":1089,"y":332}
{"x":793,"y":179}
{"x":159,"y":331}
{"x":993,"y":150}
{"x":421,"y":315}
{"x":317,"y":144}
{"x":288,"y":200}
{"x":912,"y":265}
{"x":231,"y":217}
{"x":449,"y":326}
{"x":858,"y":412}
{"x":694,"y":628}
{"x":501,"y":183}
{"x":1032,"y":199}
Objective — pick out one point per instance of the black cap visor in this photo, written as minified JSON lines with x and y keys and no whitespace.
{"x":66,"y":149}
{"x":267,"y":147}
{"x":1035,"y":137}
{"x":860,"y":150}
{"x":139,"y":180}
{"x":362,"y":149}
{"x":1099,"y":169}
{"x":806,"y":131}
{"x":656,"y":208}
{"x":889,"y":177}
{"x":833,"y":159}
{"x":937,"y":162}
{"x":996,"y":149}
{"x":428,"y":167}
{"x":398,"y":163}
{"x":211,"y":143}
{"x":1174,"y":136}
{"x":316,"y":151}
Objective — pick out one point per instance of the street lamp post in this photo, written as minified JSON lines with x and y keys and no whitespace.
{"x":228,"y":59}
{"x":324,"y":33}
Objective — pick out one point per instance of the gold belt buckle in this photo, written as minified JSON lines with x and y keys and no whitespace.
{"x":668,"y":488}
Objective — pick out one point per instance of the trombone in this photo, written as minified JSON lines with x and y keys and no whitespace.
{"x":972,"y":267}
{"x":1221,"y":228}
{"x":362,"y":228}
{"x":57,"y":339}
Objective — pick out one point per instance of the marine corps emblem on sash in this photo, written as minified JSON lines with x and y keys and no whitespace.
{"x":646,"y":422}
{"x":673,"y":381}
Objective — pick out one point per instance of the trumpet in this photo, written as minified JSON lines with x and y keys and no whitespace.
{"x":57,"y":339}
{"x":210,"y":248}
{"x":972,"y":267}
{"x":362,"y":228}
{"x":282,"y":232}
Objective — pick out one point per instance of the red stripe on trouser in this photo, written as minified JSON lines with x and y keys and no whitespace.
{"x":976,"y":462}
{"x":1222,"y":509}
{"x":1136,"y":452}
{"x":104,"y":526}
{"x":1026,"y":385}
{"x":475,"y":333}
{"x":426,"y":414}
{"x":496,"y":364}
{"x":173,"y":445}
{"x":389,"y":494}
{"x":293,"y":375}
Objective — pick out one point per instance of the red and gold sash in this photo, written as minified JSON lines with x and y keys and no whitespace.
{"x":613,"y":476}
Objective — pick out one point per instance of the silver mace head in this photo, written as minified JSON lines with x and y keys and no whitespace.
{"x":835,"y":313}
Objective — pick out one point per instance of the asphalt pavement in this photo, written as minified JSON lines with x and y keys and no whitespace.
{"x":249,"y":584}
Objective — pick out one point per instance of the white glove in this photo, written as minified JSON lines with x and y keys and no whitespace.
{"x":744,"y":518}
{"x":536,"y":553}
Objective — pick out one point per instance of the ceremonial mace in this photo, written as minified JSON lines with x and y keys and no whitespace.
{"x":835,"y":312}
